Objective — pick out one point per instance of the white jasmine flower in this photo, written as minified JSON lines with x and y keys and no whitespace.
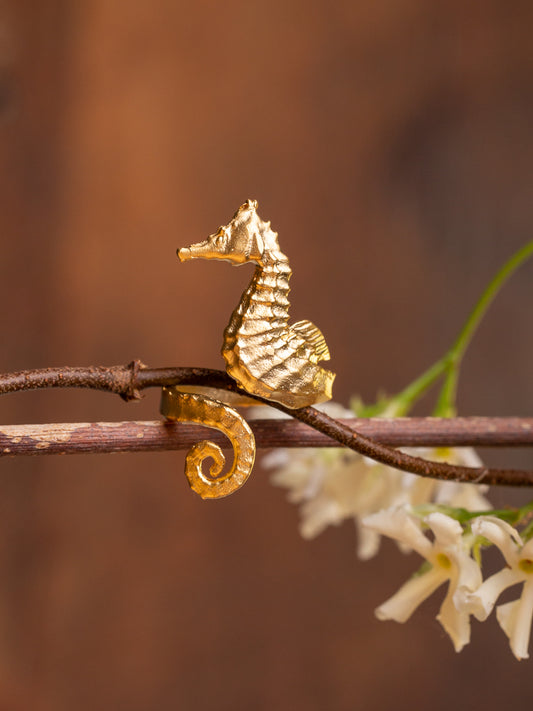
{"x":422,"y":490}
{"x":332,"y":485}
{"x":514,"y":617}
{"x":411,"y":490}
{"x":450,"y":562}
{"x":352,"y":488}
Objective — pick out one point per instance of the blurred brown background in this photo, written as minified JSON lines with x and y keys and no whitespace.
{"x":391,"y":145}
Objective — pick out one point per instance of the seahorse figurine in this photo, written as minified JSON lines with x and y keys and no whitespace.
{"x":263,"y":353}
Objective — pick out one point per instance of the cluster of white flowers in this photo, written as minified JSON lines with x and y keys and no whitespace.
{"x":449,"y":557}
{"x":332,"y":485}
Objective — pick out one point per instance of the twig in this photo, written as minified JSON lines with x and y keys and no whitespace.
{"x":109,"y":437}
{"x":128,"y":381}
{"x":119,"y":379}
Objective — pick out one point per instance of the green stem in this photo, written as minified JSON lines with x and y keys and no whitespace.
{"x":399,"y":405}
{"x":527,"y":532}
{"x":512,"y":516}
{"x":403,"y":401}
{"x":446,"y":401}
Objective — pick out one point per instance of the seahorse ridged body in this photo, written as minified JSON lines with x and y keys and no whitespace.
{"x":263,"y":353}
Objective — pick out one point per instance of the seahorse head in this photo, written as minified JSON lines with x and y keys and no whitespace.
{"x":247,"y":238}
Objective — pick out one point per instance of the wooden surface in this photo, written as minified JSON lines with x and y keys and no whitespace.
{"x":390,"y":144}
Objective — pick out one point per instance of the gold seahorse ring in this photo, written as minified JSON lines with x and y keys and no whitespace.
{"x":189,"y":407}
{"x":264,"y":354}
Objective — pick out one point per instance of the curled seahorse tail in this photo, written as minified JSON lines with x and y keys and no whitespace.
{"x":190,"y":407}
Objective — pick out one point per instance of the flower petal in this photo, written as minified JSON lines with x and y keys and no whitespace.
{"x":401,"y":606}
{"x":468,"y":577}
{"x":398,"y":524}
{"x":368,"y":541}
{"x":515,"y":620}
{"x":455,"y":622}
{"x":419,"y":489}
{"x":480,"y":602}
{"x":462,"y":496}
{"x":501,"y":534}
{"x":465,"y":456}
{"x":318,"y":514}
{"x":527,"y":550}
{"x":448,"y":531}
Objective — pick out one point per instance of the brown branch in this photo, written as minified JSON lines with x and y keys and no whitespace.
{"x":128,"y":381}
{"x":119,"y":379}
{"x":110,"y":437}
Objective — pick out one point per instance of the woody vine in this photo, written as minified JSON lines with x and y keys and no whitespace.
{"x":431,"y":501}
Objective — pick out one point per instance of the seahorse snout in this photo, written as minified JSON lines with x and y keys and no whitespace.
{"x":208,"y":249}
{"x":196,"y":251}
{"x":184,"y":253}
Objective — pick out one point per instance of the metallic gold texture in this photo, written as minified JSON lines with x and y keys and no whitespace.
{"x":263,"y":353}
{"x":188,"y":407}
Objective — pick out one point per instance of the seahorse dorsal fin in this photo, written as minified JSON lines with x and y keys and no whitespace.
{"x":313,"y":336}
